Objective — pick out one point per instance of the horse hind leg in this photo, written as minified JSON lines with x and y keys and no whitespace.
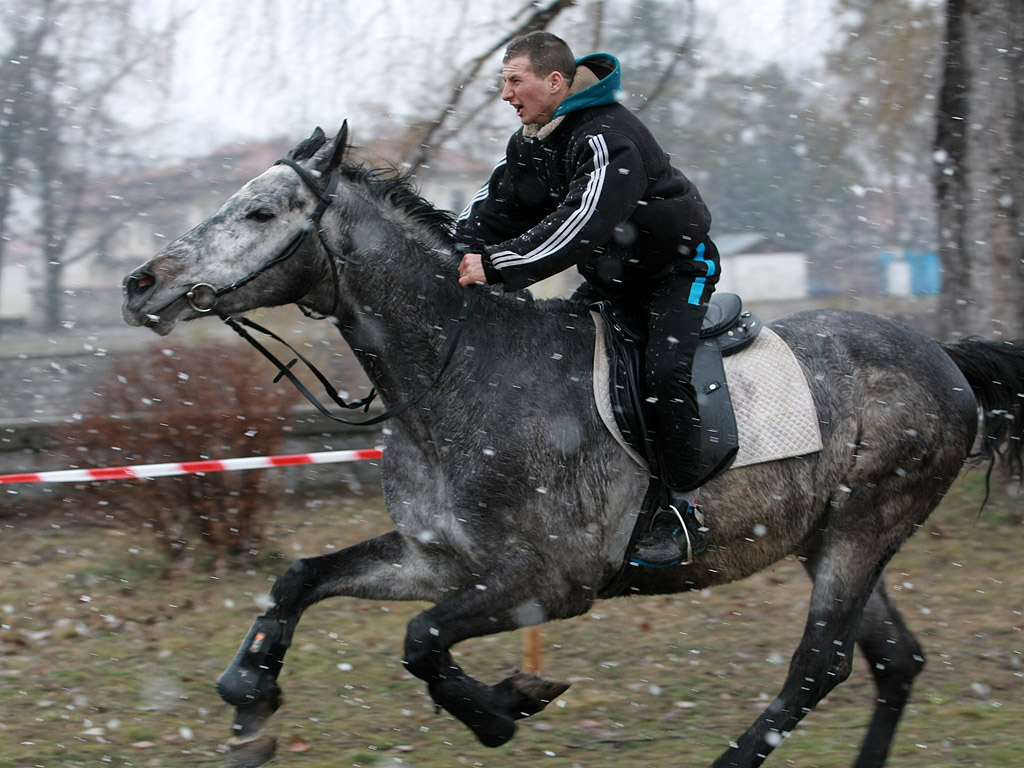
{"x":844,"y":579}
{"x":896,"y":659}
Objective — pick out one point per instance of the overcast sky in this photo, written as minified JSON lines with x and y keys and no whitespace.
{"x":791,"y":32}
{"x":224,"y":90}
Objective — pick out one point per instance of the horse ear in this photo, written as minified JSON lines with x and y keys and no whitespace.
{"x":308,"y":148}
{"x":339,"y":147}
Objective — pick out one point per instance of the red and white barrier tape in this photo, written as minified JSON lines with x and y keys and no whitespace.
{"x":189,"y":467}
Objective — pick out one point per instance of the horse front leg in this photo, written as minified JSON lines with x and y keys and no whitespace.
{"x":364,"y":570}
{"x":513,"y":593}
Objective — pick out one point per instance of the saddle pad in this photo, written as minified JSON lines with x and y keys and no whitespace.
{"x":775,"y":416}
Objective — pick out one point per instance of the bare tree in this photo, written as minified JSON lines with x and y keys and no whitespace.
{"x":681,"y":52}
{"x":65,"y":64}
{"x":885,"y":79}
{"x":19,"y":108}
{"x":979,"y":181}
{"x":431,"y":134}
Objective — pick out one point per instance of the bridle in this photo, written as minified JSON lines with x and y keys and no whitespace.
{"x":202,"y":298}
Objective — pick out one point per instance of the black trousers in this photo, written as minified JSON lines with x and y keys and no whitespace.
{"x":674,"y":305}
{"x":675,"y":313}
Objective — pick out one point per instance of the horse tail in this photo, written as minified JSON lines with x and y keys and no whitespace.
{"x":995,"y":371}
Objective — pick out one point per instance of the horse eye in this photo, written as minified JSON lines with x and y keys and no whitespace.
{"x":260,"y":214}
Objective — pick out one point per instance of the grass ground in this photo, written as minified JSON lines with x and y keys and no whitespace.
{"x":105,"y":662}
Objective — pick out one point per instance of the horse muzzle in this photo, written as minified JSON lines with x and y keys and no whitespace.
{"x":139,"y":289}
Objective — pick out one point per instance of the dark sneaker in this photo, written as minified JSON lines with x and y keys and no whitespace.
{"x":675,"y":537}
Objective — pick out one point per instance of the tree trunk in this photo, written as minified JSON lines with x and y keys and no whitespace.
{"x":980,"y":170}
{"x":4,"y":207}
{"x":51,"y":304}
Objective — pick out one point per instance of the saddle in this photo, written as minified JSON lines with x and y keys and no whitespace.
{"x":727,"y":329}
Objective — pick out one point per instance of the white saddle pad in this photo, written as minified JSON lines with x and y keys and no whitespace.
{"x":775,"y":416}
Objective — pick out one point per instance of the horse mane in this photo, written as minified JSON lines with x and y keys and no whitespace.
{"x":390,"y":186}
{"x":386,"y":185}
{"x":395,"y":188}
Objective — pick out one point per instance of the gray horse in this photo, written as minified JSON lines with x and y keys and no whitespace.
{"x":506,"y":490}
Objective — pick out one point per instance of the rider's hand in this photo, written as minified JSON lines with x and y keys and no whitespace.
{"x":471,"y":270}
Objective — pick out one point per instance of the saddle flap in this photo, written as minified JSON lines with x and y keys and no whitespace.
{"x":633,"y":416}
{"x":625,"y":325}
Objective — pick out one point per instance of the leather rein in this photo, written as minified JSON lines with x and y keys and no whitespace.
{"x":202,"y":298}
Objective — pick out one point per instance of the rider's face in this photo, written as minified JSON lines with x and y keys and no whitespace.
{"x":534,"y":98}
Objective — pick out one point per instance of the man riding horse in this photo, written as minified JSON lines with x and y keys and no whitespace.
{"x":584,"y":183}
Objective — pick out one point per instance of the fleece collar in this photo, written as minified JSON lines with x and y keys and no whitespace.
{"x":598,"y":80}
{"x":607,"y":89}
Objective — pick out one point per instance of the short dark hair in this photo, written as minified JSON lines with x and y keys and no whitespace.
{"x":547,"y":52}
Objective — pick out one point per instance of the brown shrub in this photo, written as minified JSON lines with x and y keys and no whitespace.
{"x":172,"y":405}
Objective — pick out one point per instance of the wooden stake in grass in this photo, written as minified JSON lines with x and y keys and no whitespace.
{"x":532,"y":651}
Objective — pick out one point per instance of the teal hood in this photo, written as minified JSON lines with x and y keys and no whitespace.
{"x":607,"y":89}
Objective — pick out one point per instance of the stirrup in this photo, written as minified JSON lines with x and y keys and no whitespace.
{"x":687,"y":551}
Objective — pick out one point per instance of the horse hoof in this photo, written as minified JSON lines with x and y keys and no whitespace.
{"x":495,"y":732}
{"x":249,"y":720}
{"x":253,"y":753}
{"x":527,"y":695}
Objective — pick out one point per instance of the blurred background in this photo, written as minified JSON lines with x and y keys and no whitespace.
{"x":863,"y":154}
{"x":855,"y":153}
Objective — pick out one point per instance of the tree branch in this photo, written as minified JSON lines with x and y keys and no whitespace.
{"x":419,"y":152}
{"x":681,"y":51}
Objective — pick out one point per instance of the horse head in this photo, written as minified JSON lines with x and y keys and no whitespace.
{"x":255,"y":251}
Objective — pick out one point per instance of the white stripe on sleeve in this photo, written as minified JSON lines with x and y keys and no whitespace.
{"x":574,"y":223}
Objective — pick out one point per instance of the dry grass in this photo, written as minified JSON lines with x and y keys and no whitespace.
{"x":104,"y":662}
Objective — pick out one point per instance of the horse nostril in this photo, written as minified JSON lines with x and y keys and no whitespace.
{"x":139,"y":282}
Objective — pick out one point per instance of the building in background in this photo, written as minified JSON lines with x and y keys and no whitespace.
{"x":128,"y":219}
{"x":760,"y":268}
{"x":908,"y":273}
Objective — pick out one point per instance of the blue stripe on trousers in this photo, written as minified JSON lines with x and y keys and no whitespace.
{"x":697,"y":289}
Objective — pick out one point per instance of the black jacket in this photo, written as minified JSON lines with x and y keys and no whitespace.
{"x":592,"y":188}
